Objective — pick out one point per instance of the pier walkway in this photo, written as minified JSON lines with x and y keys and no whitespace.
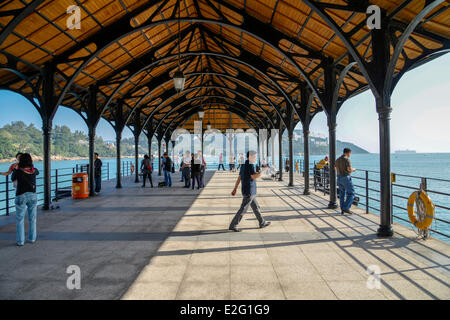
{"x":160,"y":243}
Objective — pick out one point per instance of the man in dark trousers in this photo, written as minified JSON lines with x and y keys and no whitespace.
{"x":97,"y":173}
{"x":248,"y":176}
{"x":344,"y":181}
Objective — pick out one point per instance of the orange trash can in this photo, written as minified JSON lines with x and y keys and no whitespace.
{"x":80,"y":186}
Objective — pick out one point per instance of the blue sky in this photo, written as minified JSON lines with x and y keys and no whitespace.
{"x":420,"y":117}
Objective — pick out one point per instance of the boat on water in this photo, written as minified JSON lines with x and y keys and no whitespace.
{"x":407,"y":151}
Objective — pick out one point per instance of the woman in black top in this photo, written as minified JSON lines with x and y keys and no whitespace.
{"x":26,"y":199}
{"x":146,"y":168}
{"x":195,"y":171}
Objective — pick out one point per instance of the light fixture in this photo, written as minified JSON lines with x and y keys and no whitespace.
{"x":178,"y":77}
{"x":179,"y":80}
{"x":208,"y":125}
{"x":201,"y":114}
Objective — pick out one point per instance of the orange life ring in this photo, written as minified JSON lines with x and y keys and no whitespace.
{"x":132,"y":168}
{"x":429,"y":210}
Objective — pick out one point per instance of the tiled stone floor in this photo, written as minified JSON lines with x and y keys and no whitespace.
{"x":160,"y":243}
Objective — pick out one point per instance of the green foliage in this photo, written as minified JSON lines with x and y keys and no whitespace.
{"x":17,"y":136}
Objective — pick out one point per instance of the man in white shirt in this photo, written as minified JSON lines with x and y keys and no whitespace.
{"x":186,"y":171}
{"x":221,"y":162}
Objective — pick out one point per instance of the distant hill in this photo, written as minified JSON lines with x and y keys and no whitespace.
{"x":318,"y":145}
{"x":18,"y":136}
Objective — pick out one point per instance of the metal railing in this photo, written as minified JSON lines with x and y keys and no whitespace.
{"x":61,"y":183}
{"x":367,"y":188}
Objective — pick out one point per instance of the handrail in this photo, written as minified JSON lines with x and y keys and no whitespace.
{"x":7,"y":192}
{"x":400,"y":191}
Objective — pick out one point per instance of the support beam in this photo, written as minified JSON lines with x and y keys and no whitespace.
{"x":332,"y":151}
{"x":291,"y":147}
{"x":92,"y":120}
{"x":305,"y":118}
{"x":331,"y":108}
{"x":48,"y":109}
{"x":118,"y":127}
{"x":118,"y":160}
{"x":47,"y":130}
{"x":381,"y":56}
{"x":306,"y":158}
{"x":91,"y":173}
{"x":136,"y":157}
{"x":280,"y":152}
{"x":149,"y":141}
{"x":167,"y":140}
{"x":159,"y":156}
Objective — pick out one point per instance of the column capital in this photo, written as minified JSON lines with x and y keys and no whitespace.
{"x":384,"y":113}
{"x":332,"y":126}
{"x":91,"y":132}
{"x":47,"y":127}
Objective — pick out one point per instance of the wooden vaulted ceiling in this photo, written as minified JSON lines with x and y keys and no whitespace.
{"x":249,"y":57}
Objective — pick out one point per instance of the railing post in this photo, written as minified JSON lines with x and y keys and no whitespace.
{"x":367,"y":191}
{"x":56,"y":184}
{"x":7,"y":196}
{"x":108,"y":171}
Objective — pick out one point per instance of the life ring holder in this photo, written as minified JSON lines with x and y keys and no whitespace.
{"x":423,"y":216}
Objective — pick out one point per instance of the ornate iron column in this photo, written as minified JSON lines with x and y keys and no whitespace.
{"x":331,"y":109}
{"x":305,"y":117}
{"x":306,"y":158}
{"x":159,"y":156}
{"x":136,"y":157}
{"x":385,"y":229}
{"x":47,"y":129}
{"x":381,"y":57}
{"x":91,"y":135}
{"x":332,"y":150}
{"x":291,"y":147}
{"x":92,"y":120}
{"x":280,"y":152}
{"x":119,"y":169}
{"x":48,"y":110}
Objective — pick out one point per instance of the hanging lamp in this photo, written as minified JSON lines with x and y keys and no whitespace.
{"x":178,"y":77}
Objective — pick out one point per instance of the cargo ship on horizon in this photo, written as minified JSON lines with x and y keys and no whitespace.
{"x":407,"y":151}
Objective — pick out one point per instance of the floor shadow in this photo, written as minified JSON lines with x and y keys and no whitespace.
{"x":108,"y":237}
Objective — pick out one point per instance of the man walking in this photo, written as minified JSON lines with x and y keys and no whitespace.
{"x":167,"y":168}
{"x":344,"y":181}
{"x":248,"y":176}
{"x":97,"y":173}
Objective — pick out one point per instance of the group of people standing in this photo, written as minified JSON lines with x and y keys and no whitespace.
{"x":147,"y":169}
{"x":232,"y":162}
{"x":193,"y":167}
